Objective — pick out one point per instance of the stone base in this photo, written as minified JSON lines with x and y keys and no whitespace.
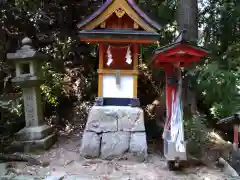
{"x":170,"y":151}
{"x":113,"y":132}
{"x":33,"y":139}
{"x":33,"y":133}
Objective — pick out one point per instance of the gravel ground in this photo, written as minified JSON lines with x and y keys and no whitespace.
{"x":65,"y":160}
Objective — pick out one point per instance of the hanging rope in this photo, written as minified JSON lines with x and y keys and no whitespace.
{"x":118,"y":47}
{"x":128,"y":56}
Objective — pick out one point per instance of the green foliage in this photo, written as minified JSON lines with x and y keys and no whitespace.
{"x":53,"y":86}
{"x":196,"y":134}
{"x":218,"y":87}
{"x":13,"y":106}
{"x":27,"y":5}
{"x":163,"y":11}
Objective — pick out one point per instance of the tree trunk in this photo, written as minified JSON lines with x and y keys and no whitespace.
{"x":187,"y":11}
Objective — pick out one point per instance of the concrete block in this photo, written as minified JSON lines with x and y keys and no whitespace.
{"x":3,"y":169}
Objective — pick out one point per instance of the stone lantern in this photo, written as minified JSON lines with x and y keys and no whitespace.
{"x":35,"y":135}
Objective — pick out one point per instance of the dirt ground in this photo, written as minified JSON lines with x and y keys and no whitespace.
{"x":65,"y":160}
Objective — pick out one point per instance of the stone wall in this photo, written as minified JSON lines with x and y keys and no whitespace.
{"x":113,"y":131}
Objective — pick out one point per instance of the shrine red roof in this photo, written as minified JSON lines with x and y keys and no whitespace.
{"x":180,"y":50}
{"x":142,"y":17}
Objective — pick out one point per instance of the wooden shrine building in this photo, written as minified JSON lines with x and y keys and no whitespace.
{"x":115,"y":124}
{"x":119,"y":27}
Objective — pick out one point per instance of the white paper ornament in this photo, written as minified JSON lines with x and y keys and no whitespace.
{"x":128,"y":56}
{"x":109,"y":54}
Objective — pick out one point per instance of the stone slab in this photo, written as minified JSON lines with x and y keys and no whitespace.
{"x":34,"y":145}
{"x":131,"y":119}
{"x":102,"y":119}
{"x":114,"y":144}
{"x":138,"y":145}
{"x":90,"y":146}
{"x":78,"y":177}
{"x":55,"y":177}
{"x":228,"y":169}
{"x":20,"y":177}
{"x":234,"y":160}
{"x":3,"y":169}
{"x":34,"y":133}
{"x":7,"y":177}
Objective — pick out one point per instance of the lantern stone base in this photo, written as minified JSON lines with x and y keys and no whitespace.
{"x":33,"y":139}
{"x":114,"y":132}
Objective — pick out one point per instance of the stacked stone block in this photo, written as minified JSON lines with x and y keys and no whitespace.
{"x":113,"y":131}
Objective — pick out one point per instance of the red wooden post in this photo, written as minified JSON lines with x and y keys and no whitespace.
{"x":235,"y":141}
{"x":169,"y":89}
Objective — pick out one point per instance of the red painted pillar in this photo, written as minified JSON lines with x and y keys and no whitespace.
{"x":235,"y":141}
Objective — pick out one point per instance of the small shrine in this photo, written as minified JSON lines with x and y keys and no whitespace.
{"x":233,"y":121}
{"x":35,"y":135}
{"x":116,"y":123}
{"x":173,"y":58}
{"x":225,"y":124}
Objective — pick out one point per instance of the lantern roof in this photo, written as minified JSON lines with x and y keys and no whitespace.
{"x":110,"y":6}
{"x":180,"y":51}
{"x":26,"y":52}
